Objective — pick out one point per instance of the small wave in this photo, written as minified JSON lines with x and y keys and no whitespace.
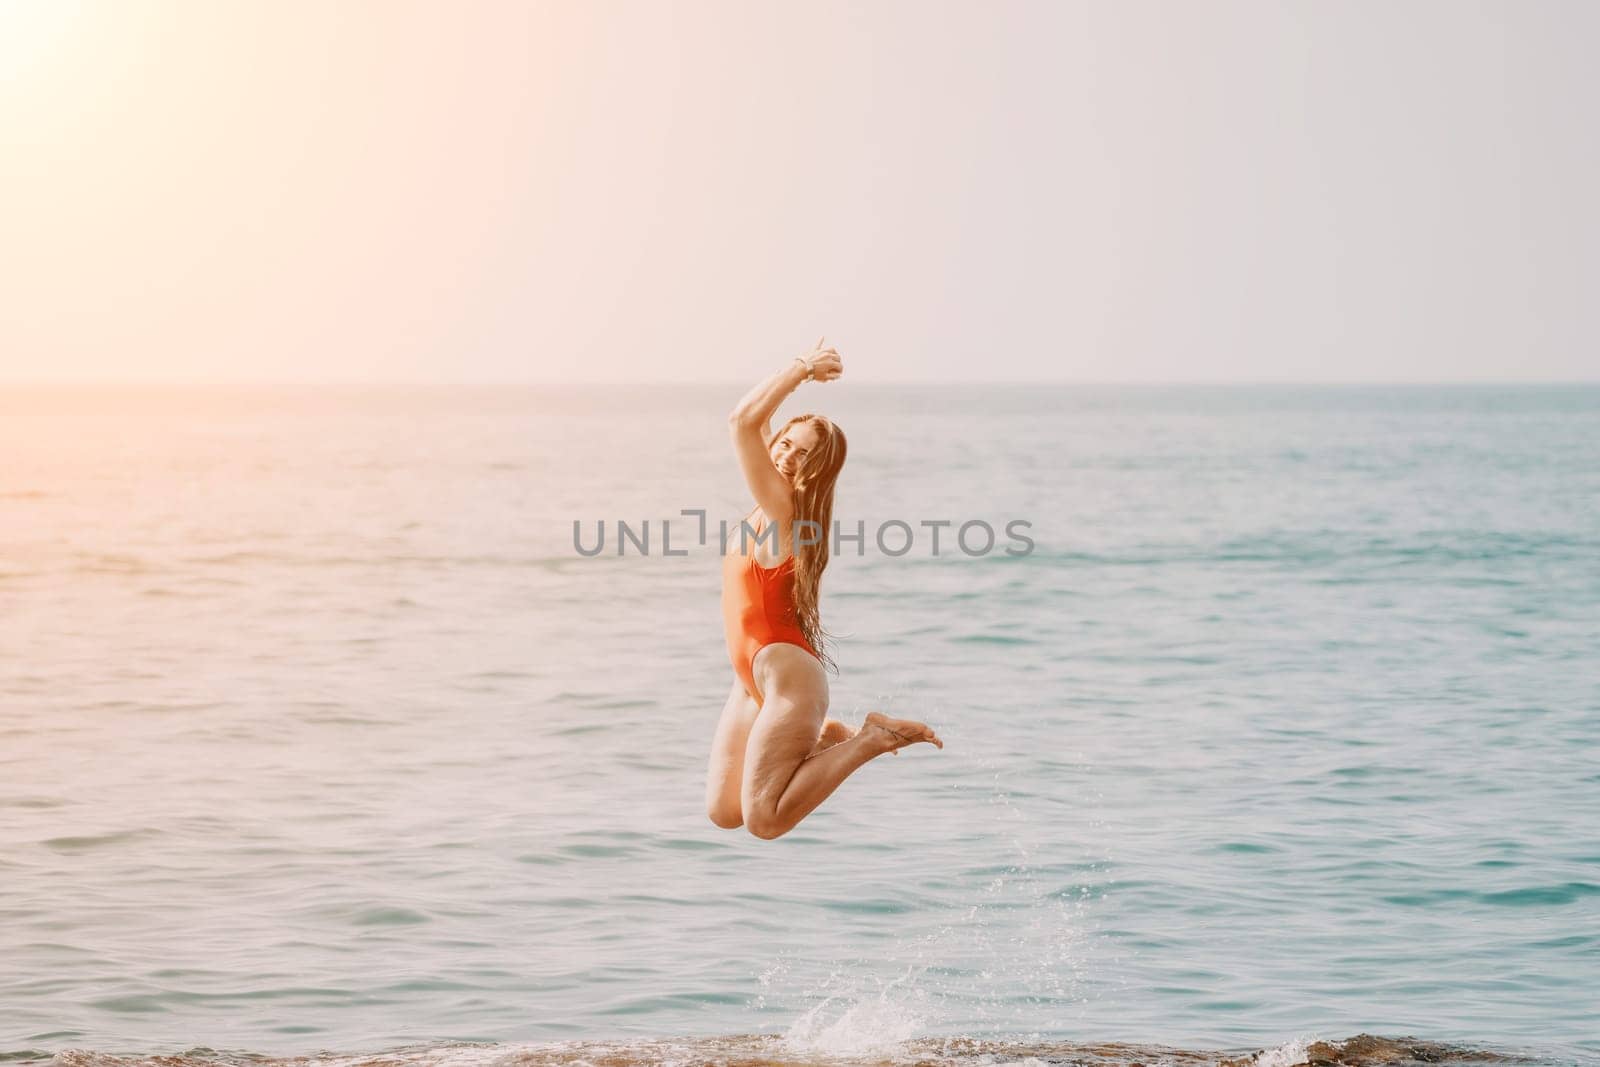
{"x":1542,"y":895}
{"x":587,"y":850}
{"x":85,"y":842}
{"x":111,"y":563}
{"x":1526,"y":896}
{"x":994,"y":639}
{"x":33,"y":801}
{"x":390,"y":917}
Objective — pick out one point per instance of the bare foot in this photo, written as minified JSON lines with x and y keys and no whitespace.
{"x":895,"y":734}
{"x":833,"y":732}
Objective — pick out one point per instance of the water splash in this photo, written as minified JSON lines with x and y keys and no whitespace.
{"x":1016,"y":951}
{"x":855,"y":1019}
{"x":1286,"y":1055}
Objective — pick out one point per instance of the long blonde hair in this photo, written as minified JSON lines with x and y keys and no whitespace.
{"x":812,"y":501}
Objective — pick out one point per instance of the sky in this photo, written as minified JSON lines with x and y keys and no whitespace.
{"x":483,"y":192}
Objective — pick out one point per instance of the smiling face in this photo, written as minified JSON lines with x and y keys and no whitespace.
{"x":791,"y":448}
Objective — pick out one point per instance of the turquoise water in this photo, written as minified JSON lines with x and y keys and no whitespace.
{"x":317,"y":734}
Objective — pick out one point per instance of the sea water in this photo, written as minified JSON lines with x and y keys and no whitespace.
{"x":318,"y":735}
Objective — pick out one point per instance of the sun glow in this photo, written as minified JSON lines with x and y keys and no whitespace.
{"x":32,"y":32}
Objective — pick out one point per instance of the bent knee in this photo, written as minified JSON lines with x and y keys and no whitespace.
{"x":765,"y":826}
{"x":725,"y":817}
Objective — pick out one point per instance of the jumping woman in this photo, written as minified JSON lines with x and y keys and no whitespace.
{"x":776,"y":754}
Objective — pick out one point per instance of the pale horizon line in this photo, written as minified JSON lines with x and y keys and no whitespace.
{"x":1088,"y":383}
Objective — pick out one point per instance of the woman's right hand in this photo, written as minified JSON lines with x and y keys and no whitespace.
{"x":824,"y":362}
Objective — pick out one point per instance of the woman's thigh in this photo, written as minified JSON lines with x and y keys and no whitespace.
{"x":726,"y":771}
{"x":791,"y":720}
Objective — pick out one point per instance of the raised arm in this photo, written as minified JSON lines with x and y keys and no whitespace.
{"x":750,"y":424}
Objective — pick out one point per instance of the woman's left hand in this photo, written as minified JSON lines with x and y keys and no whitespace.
{"x":824,"y":362}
